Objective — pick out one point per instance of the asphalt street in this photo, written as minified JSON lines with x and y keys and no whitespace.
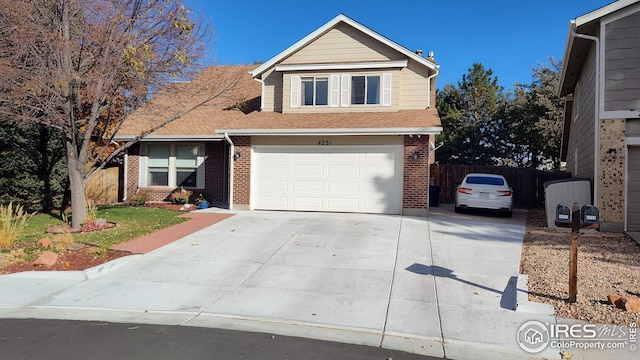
{"x":95,"y":340}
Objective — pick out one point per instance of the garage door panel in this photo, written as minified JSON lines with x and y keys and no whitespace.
{"x":275,"y":168}
{"x":269,"y":186}
{"x":307,"y":202}
{"x":313,"y":186}
{"x":344,"y":204}
{"x":357,"y":178}
{"x":345,"y":170}
{"x":277,"y":201}
{"x":343,"y":186}
{"x":307,"y":170}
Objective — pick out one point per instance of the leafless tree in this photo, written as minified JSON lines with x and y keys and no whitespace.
{"x":83,"y":66}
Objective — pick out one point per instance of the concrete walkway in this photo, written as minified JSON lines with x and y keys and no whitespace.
{"x":441,"y":286}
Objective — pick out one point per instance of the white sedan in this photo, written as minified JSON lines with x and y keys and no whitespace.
{"x":484,"y":191}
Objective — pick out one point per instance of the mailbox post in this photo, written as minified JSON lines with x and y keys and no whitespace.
{"x":573,"y":254}
{"x":587,"y":216}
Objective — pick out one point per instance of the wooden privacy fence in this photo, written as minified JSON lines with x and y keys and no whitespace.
{"x":104,"y":186}
{"x":527,"y":184}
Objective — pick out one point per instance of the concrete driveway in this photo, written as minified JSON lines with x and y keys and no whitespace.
{"x":442,"y":285}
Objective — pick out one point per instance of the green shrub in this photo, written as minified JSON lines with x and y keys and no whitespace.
{"x":140,"y":198}
{"x":11,"y":223}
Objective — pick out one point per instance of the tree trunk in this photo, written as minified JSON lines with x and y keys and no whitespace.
{"x":78,"y":198}
{"x":76,"y":184}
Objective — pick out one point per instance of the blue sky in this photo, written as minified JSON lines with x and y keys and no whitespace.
{"x":509,"y":37}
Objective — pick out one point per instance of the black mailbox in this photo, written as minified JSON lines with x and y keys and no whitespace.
{"x":563,"y":215}
{"x":589,"y":215}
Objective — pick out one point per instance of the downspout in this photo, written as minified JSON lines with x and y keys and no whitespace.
{"x":126,"y":171}
{"x":429,"y":85}
{"x":596,"y":130}
{"x":231,"y":169}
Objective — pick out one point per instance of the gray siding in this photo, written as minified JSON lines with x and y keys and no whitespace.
{"x":622,"y":64}
{"x":580,"y":154}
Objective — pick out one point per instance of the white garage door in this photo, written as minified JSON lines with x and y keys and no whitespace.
{"x":633,"y":190}
{"x":363,"y":178}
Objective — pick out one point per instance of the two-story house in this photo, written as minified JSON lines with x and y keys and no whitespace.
{"x":600,"y":81}
{"x":343,"y":120}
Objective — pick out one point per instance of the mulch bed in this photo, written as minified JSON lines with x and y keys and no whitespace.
{"x":68,"y":260}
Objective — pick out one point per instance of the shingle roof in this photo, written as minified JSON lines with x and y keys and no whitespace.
{"x":238,"y":108}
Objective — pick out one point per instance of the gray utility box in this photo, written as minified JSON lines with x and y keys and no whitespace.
{"x":565,"y":191}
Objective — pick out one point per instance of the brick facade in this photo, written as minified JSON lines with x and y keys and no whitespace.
{"x":415,"y":193}
{"x":215,"y":180}
{"x":215,"y":174}
{"x":611,"y":172}
{"x":242,"y":172}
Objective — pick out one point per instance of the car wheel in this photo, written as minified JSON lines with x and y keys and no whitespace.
{"x":508,"y":213}
{"x":457,"y":209}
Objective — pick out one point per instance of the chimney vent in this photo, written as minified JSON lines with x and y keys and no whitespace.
{"x":419,"y":52}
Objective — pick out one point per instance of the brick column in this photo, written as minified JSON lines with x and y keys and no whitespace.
{"x":415,"y":194}
{"x":242,"y":173}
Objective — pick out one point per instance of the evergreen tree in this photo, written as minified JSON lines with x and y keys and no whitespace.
{"x":469,"y":115}
{"x":32,"y":166}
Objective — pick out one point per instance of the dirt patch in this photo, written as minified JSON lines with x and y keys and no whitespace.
{"x":608,"y":263}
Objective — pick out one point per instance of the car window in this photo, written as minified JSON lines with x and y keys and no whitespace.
{"x":485,"y":180}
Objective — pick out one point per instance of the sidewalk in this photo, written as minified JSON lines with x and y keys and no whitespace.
{"x":144,"y":244}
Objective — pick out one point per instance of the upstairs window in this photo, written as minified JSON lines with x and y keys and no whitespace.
{"x":340,"y":90}
{"x":315,"y":91}
{"x":365,"y":90}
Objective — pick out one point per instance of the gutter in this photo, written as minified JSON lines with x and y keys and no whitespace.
{"x":231,"y":168}
{"x":329,"y":132}
{"x":596,"y":129}
{"x":159,"y":138}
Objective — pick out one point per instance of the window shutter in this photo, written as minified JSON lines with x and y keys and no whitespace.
{"x":344,"y":91}
{"x":142,"y":169}
{"x":335,"y":90}
{"x":200,"y":171}
{"x":295,"y":91}
{"x":386,"y":89}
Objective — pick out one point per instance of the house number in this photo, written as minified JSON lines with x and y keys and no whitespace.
{"x":324,"y":142}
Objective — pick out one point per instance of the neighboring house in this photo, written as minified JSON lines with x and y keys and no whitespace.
{"x":343,"y":120}
{"x":600,"y":81}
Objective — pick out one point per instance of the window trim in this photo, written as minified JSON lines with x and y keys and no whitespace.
{"x":143,"y":177}
{"x":314,"y":83}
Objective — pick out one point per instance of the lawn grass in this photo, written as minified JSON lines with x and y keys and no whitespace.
{"x":131,"y":222}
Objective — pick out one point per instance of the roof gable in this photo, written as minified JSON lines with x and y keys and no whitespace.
{"x":337,"y":23}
